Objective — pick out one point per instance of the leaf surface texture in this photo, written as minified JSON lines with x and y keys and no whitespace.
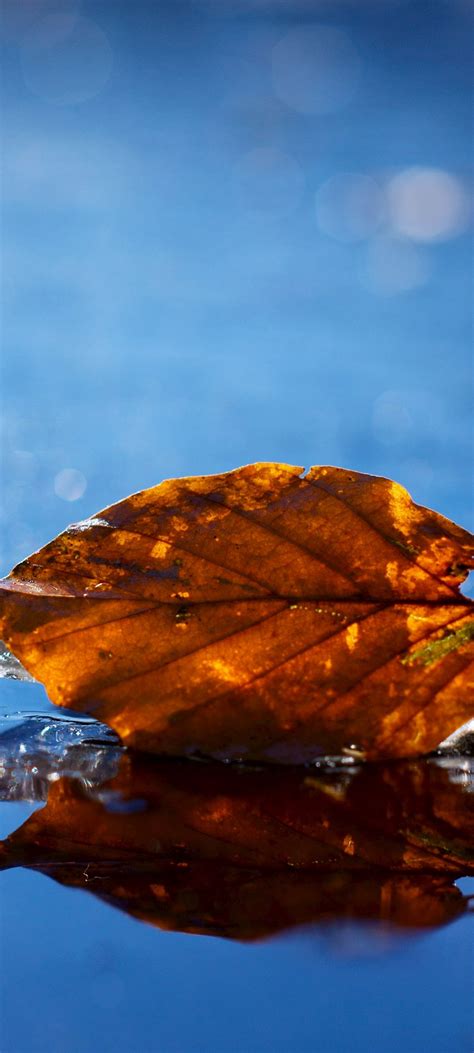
{"x":257,"y":614}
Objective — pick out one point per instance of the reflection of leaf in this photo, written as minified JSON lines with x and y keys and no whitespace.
{"x":255,"y":614}
{"x":243,"y":854}
{"x":251,"y":904}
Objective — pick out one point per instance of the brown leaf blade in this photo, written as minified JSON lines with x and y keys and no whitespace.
{"x":256,"y":614}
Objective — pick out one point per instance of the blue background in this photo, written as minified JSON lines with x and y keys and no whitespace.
{"x":163,"y":317}
{"x":177,"y":301}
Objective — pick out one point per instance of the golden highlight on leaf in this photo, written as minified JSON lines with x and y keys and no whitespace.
{"x":259,"y":614}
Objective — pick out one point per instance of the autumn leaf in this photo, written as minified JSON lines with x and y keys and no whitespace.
{"x":263,"y":614}
{"x":207,"y":848}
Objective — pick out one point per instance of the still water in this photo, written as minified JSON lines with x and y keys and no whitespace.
{"x":106,"y":945}
{"x":233,"y":231}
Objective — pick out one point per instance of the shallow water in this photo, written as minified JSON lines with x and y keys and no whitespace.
{"x":187,"y":289}
{"x":130,"y":912}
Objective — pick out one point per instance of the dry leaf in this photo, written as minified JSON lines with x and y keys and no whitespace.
{"x":206,"y":848}
{"x":261,"y":614}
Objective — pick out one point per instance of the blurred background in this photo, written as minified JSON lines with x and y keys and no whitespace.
{"x":234,"y":230}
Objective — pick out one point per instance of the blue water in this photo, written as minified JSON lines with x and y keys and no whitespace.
{"x":81,"y":977}
{"x":180,"y":299}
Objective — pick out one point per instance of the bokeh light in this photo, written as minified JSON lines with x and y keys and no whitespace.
{"x":70,"y":484}
{"x":66,"y":59}
{"x":427,"y":204}
{"x":349,"y":206}
{"x":316,"y":69}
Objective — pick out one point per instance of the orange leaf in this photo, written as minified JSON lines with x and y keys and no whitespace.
{"x":260,"y":614}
